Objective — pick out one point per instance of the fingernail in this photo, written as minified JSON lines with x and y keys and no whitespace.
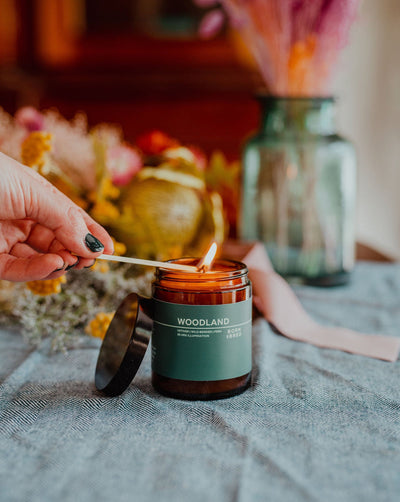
{"x":73,"y":265}
{"x":59,"y":269}
{"x":93,"y":243}
{"x":90,"y":266}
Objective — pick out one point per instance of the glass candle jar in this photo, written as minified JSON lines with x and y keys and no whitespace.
{"x":201,"y":340}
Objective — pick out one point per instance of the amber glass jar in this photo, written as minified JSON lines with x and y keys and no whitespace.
{"x":201,"y":341}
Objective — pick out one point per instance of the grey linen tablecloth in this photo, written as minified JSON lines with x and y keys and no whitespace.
{"x":315,"y":425}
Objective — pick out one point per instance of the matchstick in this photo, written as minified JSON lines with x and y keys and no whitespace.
{"x":148,"y":263}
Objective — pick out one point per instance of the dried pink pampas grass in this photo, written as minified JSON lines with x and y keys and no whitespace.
{"x":295,"y":43}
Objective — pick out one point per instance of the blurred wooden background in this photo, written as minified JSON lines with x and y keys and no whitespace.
{"x":137,"y":63}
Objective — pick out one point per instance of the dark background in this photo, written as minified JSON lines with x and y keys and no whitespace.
{"x":139,"y":63}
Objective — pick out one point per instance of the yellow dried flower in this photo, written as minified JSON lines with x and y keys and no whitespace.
{"x":108,"y":190}
{"x":104,"y":211}
{"x":46,"y":287}
{"x":34,"y":149}
{"x":100,"y":266}
{"x":98,"y":326}
{"x":119,"y":247}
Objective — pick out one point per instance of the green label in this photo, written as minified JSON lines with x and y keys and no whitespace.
{"x":202,"y":342}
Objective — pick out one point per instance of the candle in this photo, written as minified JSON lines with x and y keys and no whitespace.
{"x":201,"y":340}
{"x":199,"y":319}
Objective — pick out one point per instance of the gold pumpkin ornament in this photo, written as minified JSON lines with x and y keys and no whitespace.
{"x":166,"y":212}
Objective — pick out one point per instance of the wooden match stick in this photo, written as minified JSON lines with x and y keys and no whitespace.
{"x":148,"y":263}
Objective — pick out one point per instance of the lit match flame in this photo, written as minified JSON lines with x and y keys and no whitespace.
{"x":205,"y":263}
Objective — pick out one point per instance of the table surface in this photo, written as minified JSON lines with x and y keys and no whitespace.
{"x":316,"y":424}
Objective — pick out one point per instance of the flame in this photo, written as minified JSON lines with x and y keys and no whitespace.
{"x":205,"y":263}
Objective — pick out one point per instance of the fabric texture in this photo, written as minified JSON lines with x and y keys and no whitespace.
{"x":316,"y":424}
{"x":274,"y":298}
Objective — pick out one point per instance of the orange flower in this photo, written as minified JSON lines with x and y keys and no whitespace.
{"x":155,"y":142}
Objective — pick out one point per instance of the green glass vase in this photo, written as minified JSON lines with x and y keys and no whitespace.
{"x":299,"y":190}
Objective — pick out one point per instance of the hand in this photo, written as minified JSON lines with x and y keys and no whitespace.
{"x":42,"y":232}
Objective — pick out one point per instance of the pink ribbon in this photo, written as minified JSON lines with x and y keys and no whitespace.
{"x":277,"y":302}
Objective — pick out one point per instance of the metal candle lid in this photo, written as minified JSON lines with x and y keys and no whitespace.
{"x":124,"y":345}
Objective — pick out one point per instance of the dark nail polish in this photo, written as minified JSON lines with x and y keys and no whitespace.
{"x":73,"y":265}
{"x":93,"y":243}
{"x":90,"y":266}
{"x":59,"y":269}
